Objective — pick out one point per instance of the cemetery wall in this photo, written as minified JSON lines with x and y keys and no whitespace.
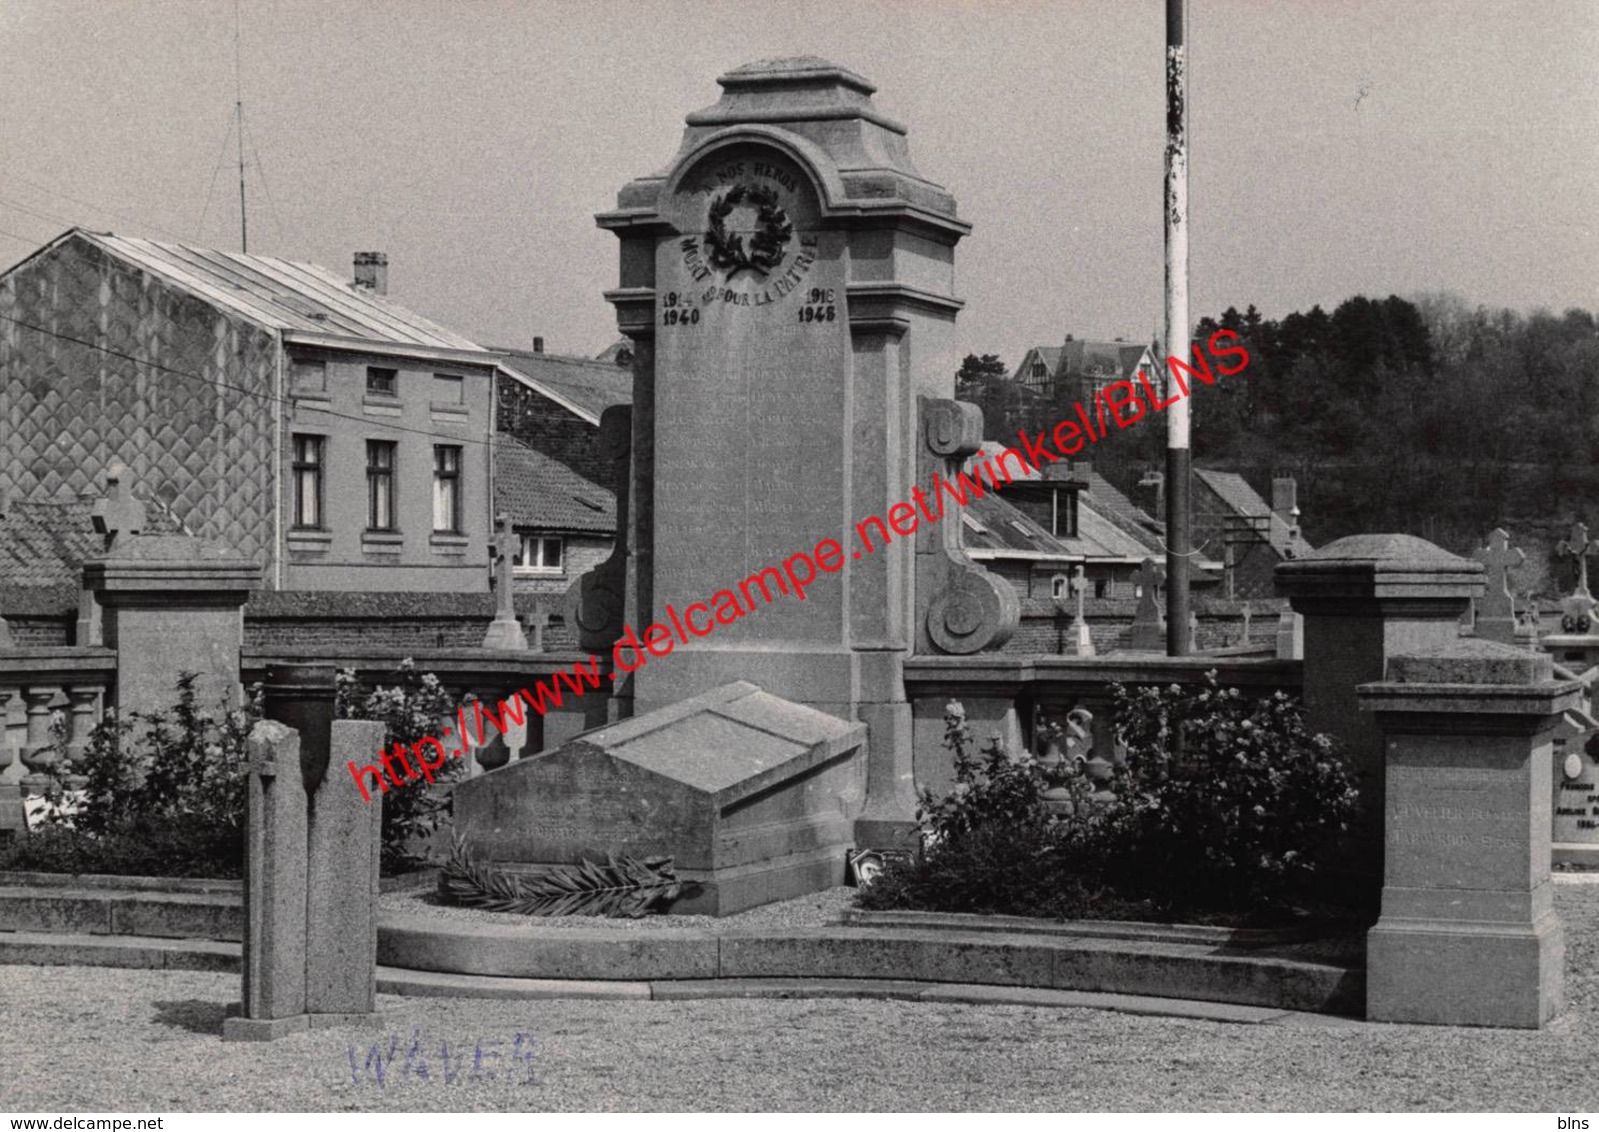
{"x":1045,"y":624}
{"x":285,"y":622}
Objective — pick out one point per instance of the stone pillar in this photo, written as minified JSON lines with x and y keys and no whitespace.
{"x":171,"y":604}
{"x":274,"y":890}
{"x":1366,"y":599}
{"x":311,"y":888}
{"x":344,"y":842}
{"x":37,"y":755}
{"x":1468,"y":933}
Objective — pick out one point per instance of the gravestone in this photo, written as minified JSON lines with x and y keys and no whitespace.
{"x":1468,"y":934}
{"x":1148,"y":633}
{"x":751,"y":796}
{"x":310,"y":888}
{"x":787,"y":286}
{"x":505,"y":631}
{"x":1496,"y":609}
{"x":1082,"y":641}
{"x":1576,"y":645}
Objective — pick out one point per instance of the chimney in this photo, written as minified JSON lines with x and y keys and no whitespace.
{"x":372,"y":272}
{"x":1284,"y":498}
{"x":538,"y":344}
{"x":1152,"y":494}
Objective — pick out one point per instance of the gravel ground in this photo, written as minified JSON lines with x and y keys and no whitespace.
{"x":811,"y":911}
{"x":88,"y":1039}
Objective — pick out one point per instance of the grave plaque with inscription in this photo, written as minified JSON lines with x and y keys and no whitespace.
{"x":752,"y":797}
{"x":787,"y":283}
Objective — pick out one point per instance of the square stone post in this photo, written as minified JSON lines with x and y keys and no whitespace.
{"x":171,"y":604}
{"x":311,"y":887}
{"x":1366,"y":599}
{"x":1468,"y":934}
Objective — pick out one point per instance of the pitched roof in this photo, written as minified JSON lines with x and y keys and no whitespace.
{"x":1235,"y":492}
{"x":537,"y":490}
{"x":996,"y":528}
{"x":44,"y":543}
{"x":1098,"y":358}
{"x":303,"y":300}
{"x":587,"y":386}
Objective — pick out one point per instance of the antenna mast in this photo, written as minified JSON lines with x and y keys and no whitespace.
{"x":238,"y":108}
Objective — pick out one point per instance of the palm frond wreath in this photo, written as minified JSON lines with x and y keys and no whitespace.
{"x":623,"y":886}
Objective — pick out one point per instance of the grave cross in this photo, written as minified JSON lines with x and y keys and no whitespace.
{"x":1080,"y":586}
{"x":1500,"y":558}
{"x":505,"y":549}
{"x":1578,"y":547}
{"x":1150,"y":578}
{"x":117,"y":512}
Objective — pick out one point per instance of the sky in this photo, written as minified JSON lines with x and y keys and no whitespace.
{"x":1339,"y":146}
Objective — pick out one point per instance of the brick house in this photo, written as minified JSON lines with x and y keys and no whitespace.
{"x":301,"y":418}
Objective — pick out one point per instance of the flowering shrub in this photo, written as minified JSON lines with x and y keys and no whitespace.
{"x":410,"y":710}
{"x":1218,"y":811}
{"x":991,"y":844}
{"x":1231,"y":797}
{"x":162,"y":794}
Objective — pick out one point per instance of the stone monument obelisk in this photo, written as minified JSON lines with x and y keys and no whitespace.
{"x":787,"y":283}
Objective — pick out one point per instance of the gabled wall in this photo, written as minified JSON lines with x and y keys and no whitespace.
{"x":200,"y":439}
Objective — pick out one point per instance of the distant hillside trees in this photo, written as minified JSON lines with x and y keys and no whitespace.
{"x":1424,"y":416}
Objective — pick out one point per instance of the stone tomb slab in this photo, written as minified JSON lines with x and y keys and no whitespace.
{"x":753,"y":797}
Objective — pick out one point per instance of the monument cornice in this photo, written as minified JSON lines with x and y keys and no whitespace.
{"x":639,"y":203}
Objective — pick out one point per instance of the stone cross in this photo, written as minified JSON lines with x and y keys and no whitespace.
{"x":505,"y":631}
{"x":1082,"y":641}
{"x":1577,"y":609}
{"x":505,"y":550}
{"x":1578,"y":547}
{"x":117,"y":512}
{"x":1149,"y":624}
{"x":1248,"y":613}
{"x":1496,"y":609}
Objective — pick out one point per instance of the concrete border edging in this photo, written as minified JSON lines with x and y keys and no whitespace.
{"x":1115,"y":966}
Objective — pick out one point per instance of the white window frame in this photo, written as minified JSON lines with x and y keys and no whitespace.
{"x":540,"y":544}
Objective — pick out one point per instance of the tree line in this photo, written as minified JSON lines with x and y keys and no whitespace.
{"x":1423,"y":416}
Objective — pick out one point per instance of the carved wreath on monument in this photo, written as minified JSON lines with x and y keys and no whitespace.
{"x":726,"y":249}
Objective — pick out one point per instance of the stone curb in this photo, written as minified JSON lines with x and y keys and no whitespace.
{"x":108,"y":911}
{"x":1197,"y":934}
{"x":48,"y":949}
{"x":1128,"y":967}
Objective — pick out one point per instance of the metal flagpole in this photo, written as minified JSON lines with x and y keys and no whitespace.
{"x":1178,"y":452}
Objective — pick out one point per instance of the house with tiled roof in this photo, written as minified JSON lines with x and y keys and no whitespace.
{"x":553,"y":403}
{"x":1080,"y":367}
{"x":1254,"y":536}
{"x":1088,"y":523}
{"x":302,"y":418}
{"x":565,"y":523}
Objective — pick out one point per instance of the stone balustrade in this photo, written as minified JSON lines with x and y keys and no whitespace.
{"x":488,"y":675}
{"x":36,"y":684}
{"x":1004,"y":695}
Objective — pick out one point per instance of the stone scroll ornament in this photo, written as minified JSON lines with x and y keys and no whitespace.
{"x":595,"y":603}
{"x":726,"y":250}
{"x":973,"y":610}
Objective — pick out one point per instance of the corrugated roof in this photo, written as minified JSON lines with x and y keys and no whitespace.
{"x":44,"y":543}
{"x":279,"y":294}
{"x":586,"y":385}
{"x":1235,"y":492}
{"x":536,"y":490}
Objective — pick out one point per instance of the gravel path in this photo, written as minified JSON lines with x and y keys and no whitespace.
{"x":88,"y":1039}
